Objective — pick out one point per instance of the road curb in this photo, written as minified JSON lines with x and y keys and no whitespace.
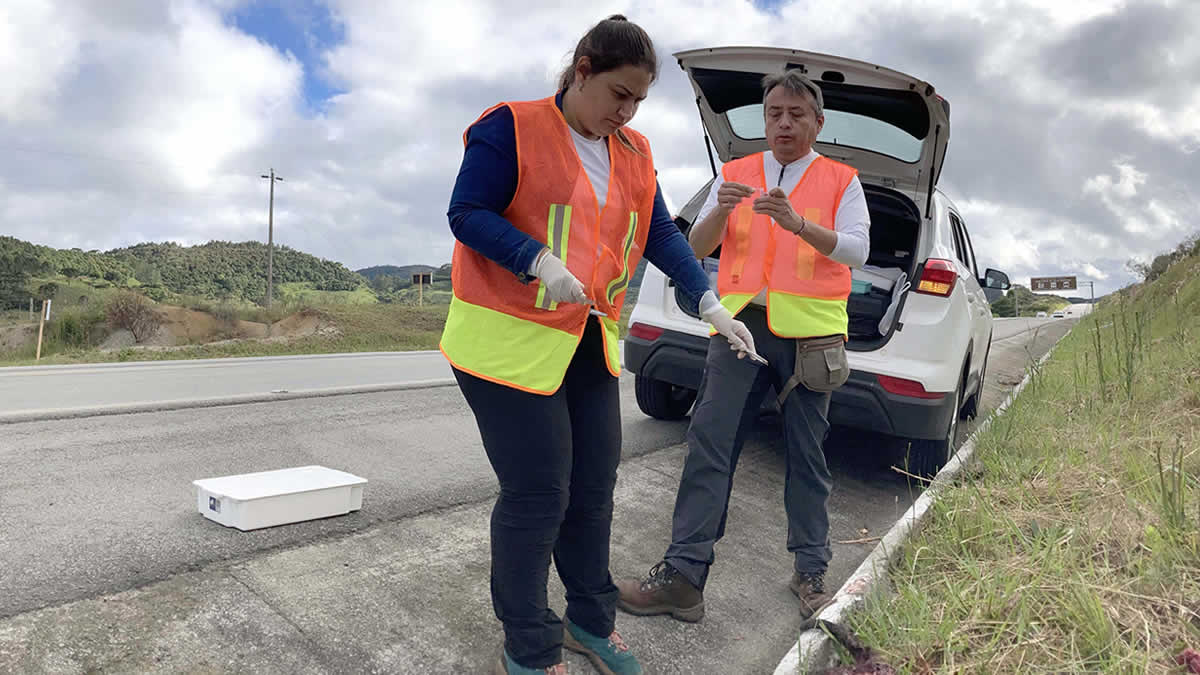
{"x":814,"y":651}
{"x":204,"y":361}
{"x":217,"y":401}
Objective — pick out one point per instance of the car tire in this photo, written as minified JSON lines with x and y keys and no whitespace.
{"x":663,"y":400}
{"x":927,"y":456}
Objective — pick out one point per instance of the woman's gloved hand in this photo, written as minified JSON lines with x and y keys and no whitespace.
{"x":740,"y":339}
{"x":560,"y":284}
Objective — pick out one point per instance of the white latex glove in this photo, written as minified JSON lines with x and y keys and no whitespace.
{"x":740,"y":339}
{"x":561,"y":285}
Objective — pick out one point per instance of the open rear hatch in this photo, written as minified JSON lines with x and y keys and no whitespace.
{"x":893,"y":128}
{"x":890,"y":126}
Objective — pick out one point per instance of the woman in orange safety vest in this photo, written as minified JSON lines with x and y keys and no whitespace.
{"x":555,"y":204}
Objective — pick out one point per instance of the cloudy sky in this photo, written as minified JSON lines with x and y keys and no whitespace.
{"x":1075,"y":125}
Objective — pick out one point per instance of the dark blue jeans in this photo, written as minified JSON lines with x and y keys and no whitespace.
{"x":556,"y":459}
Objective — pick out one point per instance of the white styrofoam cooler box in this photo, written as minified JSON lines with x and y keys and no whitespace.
{"x":882,"y":278}
{"x":251,"y":501}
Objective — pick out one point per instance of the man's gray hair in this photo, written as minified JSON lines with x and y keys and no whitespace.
{"x":797,"y":83}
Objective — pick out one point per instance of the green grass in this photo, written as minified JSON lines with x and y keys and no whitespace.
{"x":304,"y":294}
{"x":1077,"y":549}
{"x":241,"y":310}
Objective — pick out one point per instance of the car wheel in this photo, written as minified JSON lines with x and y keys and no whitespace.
{"x":663,"y":400}
{"x":927,"y":456}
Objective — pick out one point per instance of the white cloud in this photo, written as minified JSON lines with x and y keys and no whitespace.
{"x":1138,"y":216}
{"x":37,"y":45}
{"x":147,"y":109}
{"x":1093,"y":272}
{"x":1026,"y":242}
{"x":1125,"y":187}
{"x":140,"y":121}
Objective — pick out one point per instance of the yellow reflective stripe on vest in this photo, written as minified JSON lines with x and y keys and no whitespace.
{"x":612,"y":345}
{"x":794,"y":316}
{"x":558,"y":232}
{"x":799,"y":316}
{"x":505,"y":349}
{"x":620,"y":283}
{"x":806,"y":255}
{"x":734,"y":302}
{"x":744,"y":216}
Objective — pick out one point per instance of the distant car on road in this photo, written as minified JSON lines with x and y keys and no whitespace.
{"x":1059,"y":315}
{"x":924,"y":296}
{"x":1041,"y":315}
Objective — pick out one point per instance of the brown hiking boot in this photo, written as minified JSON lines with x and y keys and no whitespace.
{"x":810,"y":588}
{"x":664,"y":591}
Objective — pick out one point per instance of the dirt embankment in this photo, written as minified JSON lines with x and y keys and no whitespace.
{"x":185,"y":327}
{"x":13,"y":338}
{"x":190,"y":327}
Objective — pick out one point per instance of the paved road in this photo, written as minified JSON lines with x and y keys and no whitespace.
{"x":33,"y":390}
{"x":30,"y":389}
{"x":1008,"y":327}
{"x":95,"y":507}
{"x":104,"y":503}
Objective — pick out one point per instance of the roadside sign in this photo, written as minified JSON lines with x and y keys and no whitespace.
{"x":1052,"y":283}
{"x":420,"y":280}
{"x":48,"y":309}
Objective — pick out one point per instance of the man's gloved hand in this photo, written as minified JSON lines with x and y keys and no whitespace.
{"x":740,"y":339}
{"x":561,"y":285}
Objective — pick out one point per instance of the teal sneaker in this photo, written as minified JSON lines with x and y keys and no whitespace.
{"x":506,"y":666}
{"x":610,"y":655}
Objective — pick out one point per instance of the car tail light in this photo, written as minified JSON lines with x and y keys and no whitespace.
{"x":644,"y":332}
{"x":938,"y":278}
{"x":910,"y":388}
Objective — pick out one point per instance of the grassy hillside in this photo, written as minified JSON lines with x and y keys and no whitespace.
{"x":217,"y":270}
{"x":1029,"y":303}
{"x":1073,"y":546}
{"x":400,"y":272}
{"x":394,"y":284}
{"x":217,"y":282}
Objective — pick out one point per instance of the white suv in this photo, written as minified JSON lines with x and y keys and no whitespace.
{"x":920,"y":319}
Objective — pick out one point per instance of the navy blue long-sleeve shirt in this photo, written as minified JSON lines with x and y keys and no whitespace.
{"x":486,"y":184}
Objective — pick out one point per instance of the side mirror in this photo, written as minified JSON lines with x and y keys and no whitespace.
{"x":996,"y":279}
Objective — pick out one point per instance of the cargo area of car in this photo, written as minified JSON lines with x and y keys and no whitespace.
{"x":895,"y":230}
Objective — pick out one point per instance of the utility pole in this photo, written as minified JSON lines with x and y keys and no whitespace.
{"x":271,"y":236}
{"x":42,"y":327}
{"x":1091,"y":284}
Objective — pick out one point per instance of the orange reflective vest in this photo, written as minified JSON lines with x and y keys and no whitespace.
{"x":806,"y":291}
{"x":508,"y":332}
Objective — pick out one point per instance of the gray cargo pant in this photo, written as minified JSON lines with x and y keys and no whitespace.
{"x":731,"y":393}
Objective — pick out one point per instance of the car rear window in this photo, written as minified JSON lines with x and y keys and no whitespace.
{"x":841,"y":128}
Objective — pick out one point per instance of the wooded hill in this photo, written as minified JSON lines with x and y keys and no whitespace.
{"x":218,"y":269}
